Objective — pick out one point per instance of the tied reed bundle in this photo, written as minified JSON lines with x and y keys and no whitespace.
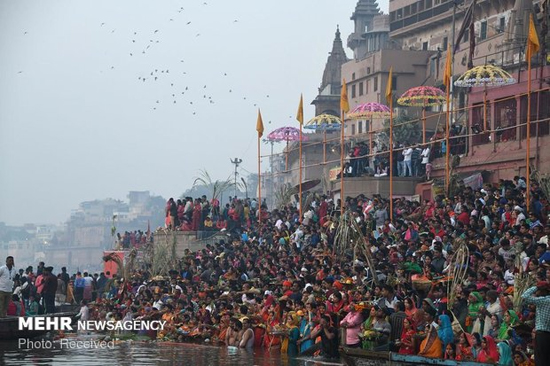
{"x":458,"y":269}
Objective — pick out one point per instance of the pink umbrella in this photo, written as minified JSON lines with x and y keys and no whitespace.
{"x":422,"y":96}
{"x":370,"y":110}
{"x":286,"y":134}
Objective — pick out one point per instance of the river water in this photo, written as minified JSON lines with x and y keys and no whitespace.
{"x":140,"y":353}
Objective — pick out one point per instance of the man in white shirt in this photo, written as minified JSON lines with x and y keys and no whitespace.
{"x":407,"y":156}
{"x":7,"y":274}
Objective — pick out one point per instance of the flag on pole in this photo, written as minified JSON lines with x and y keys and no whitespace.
{"x":260,"y":125}
{"x":465,"y":27}
{"x":533,"y":44}
{"x":344,"y":104}
{"x":389,"y":86}
{"x":300,"y":113}
{"x":447,"y":74}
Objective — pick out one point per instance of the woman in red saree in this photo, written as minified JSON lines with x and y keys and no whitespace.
{"x":489,"y":351}
{"x":407,"y":337}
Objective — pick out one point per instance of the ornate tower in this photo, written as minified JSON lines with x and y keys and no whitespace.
{"x":363,"y":17}
{"x":328,"y":99}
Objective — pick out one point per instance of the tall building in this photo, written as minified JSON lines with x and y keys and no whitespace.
{"x":364,"y":18}
{"x":328,"y":99}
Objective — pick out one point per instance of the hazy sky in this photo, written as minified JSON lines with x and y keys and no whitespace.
{"x":77,"y":121}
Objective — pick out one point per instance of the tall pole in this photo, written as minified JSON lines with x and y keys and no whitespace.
{"x":272,"y":177}
{"x":391,"y":158}
{"x":236,"y":161}
{"x":300,"y":175}
{"x":528,"y":142}
{"x":424,"y":122}
{"x":447,"y":147}
{"x":259,"y":186}
{"x":324,"y":146}
{"x":342,"y":163}
{"x":344,"y":108}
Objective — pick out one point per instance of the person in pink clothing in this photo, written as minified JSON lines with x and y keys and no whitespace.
{"x":352,"y":323}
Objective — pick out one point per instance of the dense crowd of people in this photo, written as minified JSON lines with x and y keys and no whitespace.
{"x":283,"y":284}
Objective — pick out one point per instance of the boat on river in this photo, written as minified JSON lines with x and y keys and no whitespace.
{"x":361,"y":357}
{"x":9,"y":327}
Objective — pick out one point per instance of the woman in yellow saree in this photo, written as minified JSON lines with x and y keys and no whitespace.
{"x":431,"y":346}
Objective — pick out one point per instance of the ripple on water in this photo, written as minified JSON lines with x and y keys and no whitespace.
{"x":141,"y":353}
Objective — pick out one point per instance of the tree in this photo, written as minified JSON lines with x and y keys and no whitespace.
{"x":217,"y":187}
{"x":406,"y":130}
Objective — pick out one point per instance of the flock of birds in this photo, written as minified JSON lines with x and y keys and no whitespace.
{"x":176,"y":90}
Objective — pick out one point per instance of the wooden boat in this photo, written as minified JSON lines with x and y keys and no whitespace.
{"x":361,"y":357}
{"x":9,"y":327}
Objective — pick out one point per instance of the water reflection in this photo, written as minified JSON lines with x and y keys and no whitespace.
{"x":140,"y":353}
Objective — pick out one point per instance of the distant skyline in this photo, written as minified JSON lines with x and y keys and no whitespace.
{"x":99,"y":98}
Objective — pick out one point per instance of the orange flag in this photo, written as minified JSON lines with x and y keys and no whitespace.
{"x":447,"y":73}
{"x":260,"y":124}
{"x":389,"y":86}
{"x":300,"y":113}
{"x":533,"y":44}
{"x":344,"y":104}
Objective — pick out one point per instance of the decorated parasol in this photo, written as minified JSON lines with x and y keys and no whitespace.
{"x":370,"y":111}
{"x":422,"y":96}
{"x":286,"y":134}
{"x":324,"y":122}
{"x":484,"y":76}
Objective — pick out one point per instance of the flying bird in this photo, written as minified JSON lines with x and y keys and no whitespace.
{"x":131,"y":54}
{"x":188,"y":23}
{"x":102,"y":24}
{"x":198,"y":34}
{"x":156,"y":31}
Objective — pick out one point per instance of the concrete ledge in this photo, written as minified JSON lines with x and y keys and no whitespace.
{"x":192,"y":240}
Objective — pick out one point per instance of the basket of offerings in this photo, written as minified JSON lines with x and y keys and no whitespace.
{"x":421,"y":283}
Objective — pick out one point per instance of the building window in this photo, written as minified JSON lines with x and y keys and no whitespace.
{"x":424,"y":46}
{"x":353,"y":129}
{"x":445,"y":43}
{"x":353,"y":92}
{"x":375,"y":86}
{"x":360,"y":127}
{"x":353,"y":76}
{"x":483,"y":33}
{"x":394,"y":83}
{"x":367,"y":88}
{"x":368,"y":70}
{"x":428,"y":4}
{"x":501,"y":24}
{"x":466,"y":37}
{"x":361,"y":88}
